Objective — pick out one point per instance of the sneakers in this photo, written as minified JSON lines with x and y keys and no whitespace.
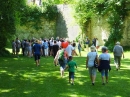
{"x":72,"y":83}
{"x":93,"y":84}
{"x":103,"y":83}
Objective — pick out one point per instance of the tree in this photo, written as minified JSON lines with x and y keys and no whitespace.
{"x":9,"y":17}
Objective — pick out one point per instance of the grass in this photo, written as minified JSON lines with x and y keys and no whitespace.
{"x":19,"y":77}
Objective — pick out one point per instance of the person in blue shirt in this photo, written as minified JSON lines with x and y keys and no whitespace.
{"x":45,"y":44}
{"x":104,"y":65}
{"x":37,"y":50}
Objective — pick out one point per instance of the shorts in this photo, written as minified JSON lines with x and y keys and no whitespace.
{"x":62,"y":65}
{"x":92,"y":70}
{"x":37,"y":56}
{"x":61,"y":68}
{"x":104,"y":72}
{"x":71,"y":75}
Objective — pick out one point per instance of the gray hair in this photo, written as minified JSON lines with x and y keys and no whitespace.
{"x":92,"y":48}
{"x":118,"y":43}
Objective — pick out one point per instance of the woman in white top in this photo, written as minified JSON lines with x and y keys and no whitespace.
{"x":91,"y":56}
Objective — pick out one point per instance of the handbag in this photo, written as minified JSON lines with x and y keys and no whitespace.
{"x":95,"y":63}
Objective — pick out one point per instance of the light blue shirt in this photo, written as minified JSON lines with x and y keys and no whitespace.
{"x":91,"y":57}
{"x":104,"y":56}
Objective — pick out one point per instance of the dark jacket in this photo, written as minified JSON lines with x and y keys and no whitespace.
{"x":104,"y":64}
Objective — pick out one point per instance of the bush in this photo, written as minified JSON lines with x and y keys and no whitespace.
{"x":126,"y":48}
{"x":5,"y":53}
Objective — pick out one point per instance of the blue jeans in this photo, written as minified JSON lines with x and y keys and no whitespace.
{"x":104,"y":72}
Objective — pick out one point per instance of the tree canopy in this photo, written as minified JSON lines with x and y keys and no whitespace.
{"x":16,"y":12}
{"x":10,"y":11}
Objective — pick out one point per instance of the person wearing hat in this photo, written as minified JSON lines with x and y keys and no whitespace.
{"x":104,"y":65}
{"x":118,"y":53}
{"x":37,"y":51}
{"x":91,"y":56}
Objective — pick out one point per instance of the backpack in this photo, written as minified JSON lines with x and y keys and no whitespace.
{"x":61,"y":55}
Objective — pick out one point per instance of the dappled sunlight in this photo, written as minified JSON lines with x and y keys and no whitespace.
{"x":81,"y":82}
{"x":124,"y":68}
{"x":5,"y":90}
{"x":21,"y":76}
{"x":9,"y":49}
{"x":16,"y":58}
{"x":3,"y":71}
{"x":27,"y":92}
{"x":5,"y":60}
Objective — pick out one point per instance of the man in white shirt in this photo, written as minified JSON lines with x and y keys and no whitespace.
{"x":69,"y":49}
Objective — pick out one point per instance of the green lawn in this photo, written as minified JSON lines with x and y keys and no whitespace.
{"x":19,"y":77}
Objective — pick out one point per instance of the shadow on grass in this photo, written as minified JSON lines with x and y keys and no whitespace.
{"x":19,"y":77}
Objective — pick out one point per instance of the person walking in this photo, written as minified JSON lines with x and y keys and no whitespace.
{"x":37,"y":51}
{"x":18,"y":44}
{"x":87,"y":42}
{"x":118,"y":53}
{"x":91,"y":56}
{"x":22,"y":46}
{"x":79,"y":48}
{"x":74,"y":51}
{"x":61,"y":57}
{"x":94,"y":42}
{"x":51,"y":45}
{"x":13,"y":47}
{"x":69,"y":49}
{"x":45,"y":45}
{"x":30,"y":49}
{"x":71,"y":68}
{"x":104,"y":65}
{"x":55,"y":48}
{"x":26,"y":45}
{"x":97,"y":44}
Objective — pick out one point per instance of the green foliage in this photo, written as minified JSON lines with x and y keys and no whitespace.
{"x":84,"y":11}
{"x":61,"y":1}
{"x":9,"y":13}
{"x":126,"y":48}
{"x":5,"y":53}
{"x":115,"y":10}
{"x":33,"y":15}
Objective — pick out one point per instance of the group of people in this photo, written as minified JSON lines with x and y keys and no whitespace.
{"x":103,"y":64}
{"x":103,"y":61}
{"x":94,"y":42}
{"x":63,"y":56}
